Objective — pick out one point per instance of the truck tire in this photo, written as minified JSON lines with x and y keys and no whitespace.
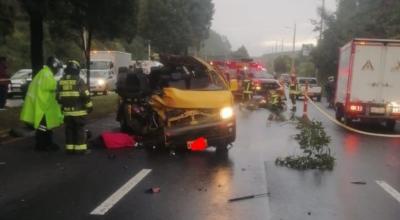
{"x":222,"y":148}
{"x":390,"y":124}
{"x":339,"y":113}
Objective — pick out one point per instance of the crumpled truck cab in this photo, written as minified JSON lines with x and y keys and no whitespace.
{"x":192,"y":101}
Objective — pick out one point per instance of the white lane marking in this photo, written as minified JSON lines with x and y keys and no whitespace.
{"x":120,"y":193}
{"x":389,"y":189}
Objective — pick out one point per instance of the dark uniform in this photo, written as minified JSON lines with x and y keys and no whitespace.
{"x":74,"y":98}
{"x":293,"y":91}
{"x":276,"y":105}
{"x":247,"y":90}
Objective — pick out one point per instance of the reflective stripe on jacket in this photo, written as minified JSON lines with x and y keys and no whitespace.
{"x":294,"y":88}
{"x":73,"y":95}
{"x":247,"y":87}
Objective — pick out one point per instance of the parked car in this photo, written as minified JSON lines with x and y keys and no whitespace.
{"x":18,"y":82}
{"x":314,"y":90}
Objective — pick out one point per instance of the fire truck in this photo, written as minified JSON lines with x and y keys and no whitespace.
{"x":237,"y":70}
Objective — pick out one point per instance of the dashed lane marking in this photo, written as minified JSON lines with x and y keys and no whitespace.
{"x":394,"y":193}
{"x":120,"y":193}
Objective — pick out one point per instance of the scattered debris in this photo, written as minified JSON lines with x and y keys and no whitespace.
{"x":219,"y":185}
{"x":154,"y":190}
{"x":3,"y":163}
{"x":243,"y":169}
{"x":308,"y":213}
{"x":359,"y":182}
{"x":172,"y":153}
{"x":248,"y":197}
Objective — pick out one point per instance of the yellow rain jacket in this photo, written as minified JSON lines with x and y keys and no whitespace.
{"x":41,"y":101}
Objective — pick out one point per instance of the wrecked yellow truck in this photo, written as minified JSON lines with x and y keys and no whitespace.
{"x":184,"y":103}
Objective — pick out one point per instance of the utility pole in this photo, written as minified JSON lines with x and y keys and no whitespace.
{"x":322,"y":20}
{"x":294,"y":48}
{"x":149,"y":49}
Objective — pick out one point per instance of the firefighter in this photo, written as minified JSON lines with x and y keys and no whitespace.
{"x":276,"y":105}
{"x":293,"y":91}
{"x":74,"y":97}
{"x":40,"y":109}
{"x":247,"y":89}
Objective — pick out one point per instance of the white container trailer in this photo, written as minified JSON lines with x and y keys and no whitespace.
{"x":368,"y":81}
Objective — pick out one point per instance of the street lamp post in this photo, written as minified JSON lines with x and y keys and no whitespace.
{"x":293,"y":71}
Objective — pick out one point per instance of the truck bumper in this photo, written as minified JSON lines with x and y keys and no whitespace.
{"x":216,"y":133}
{"x":374,"y":112}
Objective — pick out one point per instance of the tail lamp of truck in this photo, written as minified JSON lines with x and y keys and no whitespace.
{"x":356,"y":108}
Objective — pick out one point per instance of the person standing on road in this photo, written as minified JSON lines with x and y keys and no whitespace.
{"x":40,"y":108}
{"x":74,"y":97}
{"x":293,"y":91}
{"x":247,"y":89}
{"x":276,"y":105}
{"x":330,"y":89}
{"x":4,"y":82}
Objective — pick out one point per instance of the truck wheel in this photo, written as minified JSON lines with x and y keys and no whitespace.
{"x":339,"y":113}
{"x":222,"y":148}
{"x":390,"y":124}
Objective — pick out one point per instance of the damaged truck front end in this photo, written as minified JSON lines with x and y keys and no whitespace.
{"x":192,"y":103}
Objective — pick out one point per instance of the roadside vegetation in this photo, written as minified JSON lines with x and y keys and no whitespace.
{"x":103,"y":106}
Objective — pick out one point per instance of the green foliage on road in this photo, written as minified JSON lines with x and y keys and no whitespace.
{"x":314,"y":142}
{"x":354,"y":19}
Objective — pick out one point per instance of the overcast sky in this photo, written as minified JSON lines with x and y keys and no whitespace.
{"x":259,"y":24}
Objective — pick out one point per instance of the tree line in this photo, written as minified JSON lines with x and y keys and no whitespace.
{"x":33,"y":29}
{"x":354,"y":19}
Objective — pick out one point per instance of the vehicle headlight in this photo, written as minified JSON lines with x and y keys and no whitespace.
{"x":226,"y":113}
{"x":258,"y":87}
{"x":101,"y":82}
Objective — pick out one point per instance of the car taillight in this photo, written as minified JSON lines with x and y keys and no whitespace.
{"x":356,"y":108}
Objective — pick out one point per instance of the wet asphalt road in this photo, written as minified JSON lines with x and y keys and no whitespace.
{"x":51,"y":186}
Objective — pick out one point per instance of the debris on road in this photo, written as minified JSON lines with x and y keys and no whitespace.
{"x":359,"y":183}
{"x":308,"y":213}
{"x":115,"y":140}
{"x":248,"y":197}
{"x":154,"y":190}
{"x":243,"y":169}
{"x":3,"y":163}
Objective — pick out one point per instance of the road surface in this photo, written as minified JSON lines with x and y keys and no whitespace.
{"x":112,"y":184}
